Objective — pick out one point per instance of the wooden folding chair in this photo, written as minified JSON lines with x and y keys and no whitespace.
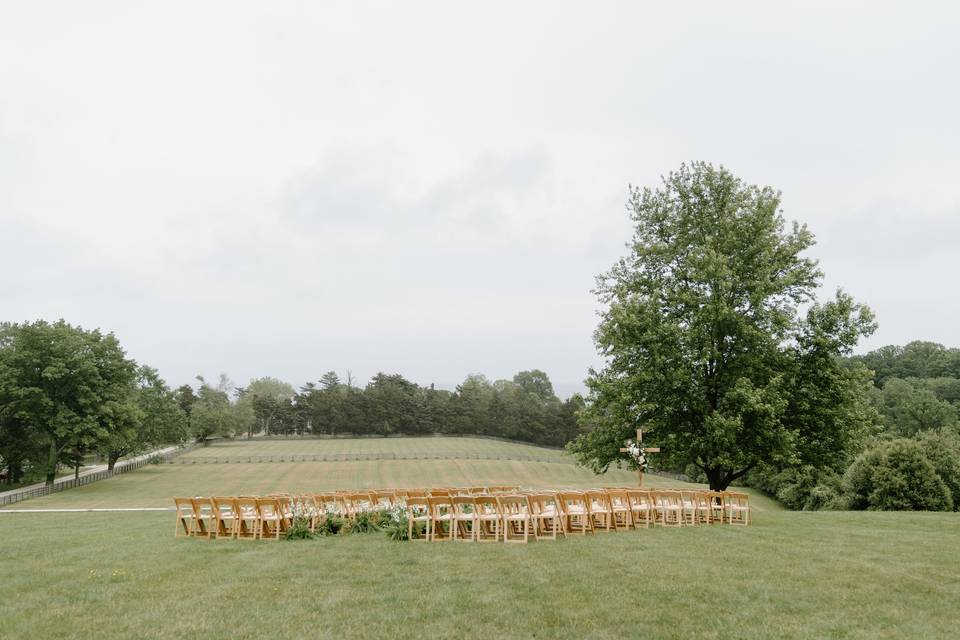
{"x":620,"y":510}
{"x":248,"y":521}
{"x":716,"y":506}
{"x":187,"y":519}
{"x":704,"y":510}
{"x":383,"y":499}
{"x":688,"y":507}
{"x":226,"y":515}
{"x":272,"y":521}
{"x":576,"y":512}
{"x":600,"y":510}
{"x":487,"y":518}
{"x":547,"y":515}
{"x":441,"y":515}
{"x":326,"y":503}
{"x":285,"y":507}
{"x":418,"y":512}
{"x":517,"y":519}
{"x":667,"y":507}
{"x":737,"y":507}
{"x":464,"y":517}
{"x":359,"y":502}
{"x":641,"y":507}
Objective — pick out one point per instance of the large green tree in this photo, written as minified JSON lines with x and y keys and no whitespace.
{"x":263,"y":405}
{"x":703,"y":339}
{"x":151,"y":416}
{"x":912,"y":406}
{"x":66,"y":386}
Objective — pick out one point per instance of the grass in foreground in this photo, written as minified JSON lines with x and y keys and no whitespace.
{"x":793,"y":575}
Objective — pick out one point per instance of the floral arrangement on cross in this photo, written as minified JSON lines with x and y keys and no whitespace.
{"x":639,"y":457}
{"x":638,"y":453}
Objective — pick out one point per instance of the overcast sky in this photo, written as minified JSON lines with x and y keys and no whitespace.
{"x":430,"y":188}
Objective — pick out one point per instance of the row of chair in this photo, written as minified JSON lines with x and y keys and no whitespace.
{"x":466,"y":513}
{"x":545,"y":514}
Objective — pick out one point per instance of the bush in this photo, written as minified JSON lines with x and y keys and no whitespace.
{"x":805,"y":488}
{"x":396,"y":524}
{"x":300,"y":529}
{"x":943,"y":452}
{"x":331,"y":525}
{"x":896,"y":476}
{"x":364,"y":522}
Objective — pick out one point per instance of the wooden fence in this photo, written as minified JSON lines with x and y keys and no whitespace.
{"x":357,"y":457}
{"x":120,"y":467}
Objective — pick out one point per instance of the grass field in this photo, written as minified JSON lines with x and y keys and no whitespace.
{"x":791,"y":575}
{"x":450,"y":447}
{"x":794,"y":575}
{"x":155,"y":485}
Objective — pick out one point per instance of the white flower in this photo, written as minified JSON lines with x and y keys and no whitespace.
{"x":636,"y":452}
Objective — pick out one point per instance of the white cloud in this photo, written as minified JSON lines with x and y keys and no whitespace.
{"x":431,"y":189}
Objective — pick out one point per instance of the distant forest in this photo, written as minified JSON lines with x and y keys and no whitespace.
{"x":523,"y":408}
{"x":916,"y":387}
{"x":909,"y":458}
{"x":67,"y":394}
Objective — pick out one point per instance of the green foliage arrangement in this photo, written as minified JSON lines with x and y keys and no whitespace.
{"x":365,"y":522}
{"x":300,"y":529}
{"x":331,"y":525}
{"x":396,"y":525}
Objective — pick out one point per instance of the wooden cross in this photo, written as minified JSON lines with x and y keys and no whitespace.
{"x":646,"y":450}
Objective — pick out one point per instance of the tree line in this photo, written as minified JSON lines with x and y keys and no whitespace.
{"x":910,"y":457}
{"x":523,"y":408}
{"x":67,"y":394}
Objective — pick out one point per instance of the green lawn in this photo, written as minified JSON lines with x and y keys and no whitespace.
{"x":155,"y":485}
{"x":792,"y":575}
{"x":449,"y":447}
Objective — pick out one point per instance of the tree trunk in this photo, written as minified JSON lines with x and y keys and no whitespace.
{"x":76,"y":468}
{"x":720,"y":479}
{"x":14,"y":471}
{"x":52,"y":463}
{"x":717,"y":479}
{"x":112,"y":458}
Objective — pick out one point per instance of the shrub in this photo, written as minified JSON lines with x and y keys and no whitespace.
{"x":896,"y":476}
{"x":396,"y":525}
{"x":364,"y":522}
{"x":943,"y":452}
{"x":300,"y":529}
{"x":300,"y":525}
{"x":331,"y":525}
{"x":826,"y":497}
{"x":807,"y":487}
